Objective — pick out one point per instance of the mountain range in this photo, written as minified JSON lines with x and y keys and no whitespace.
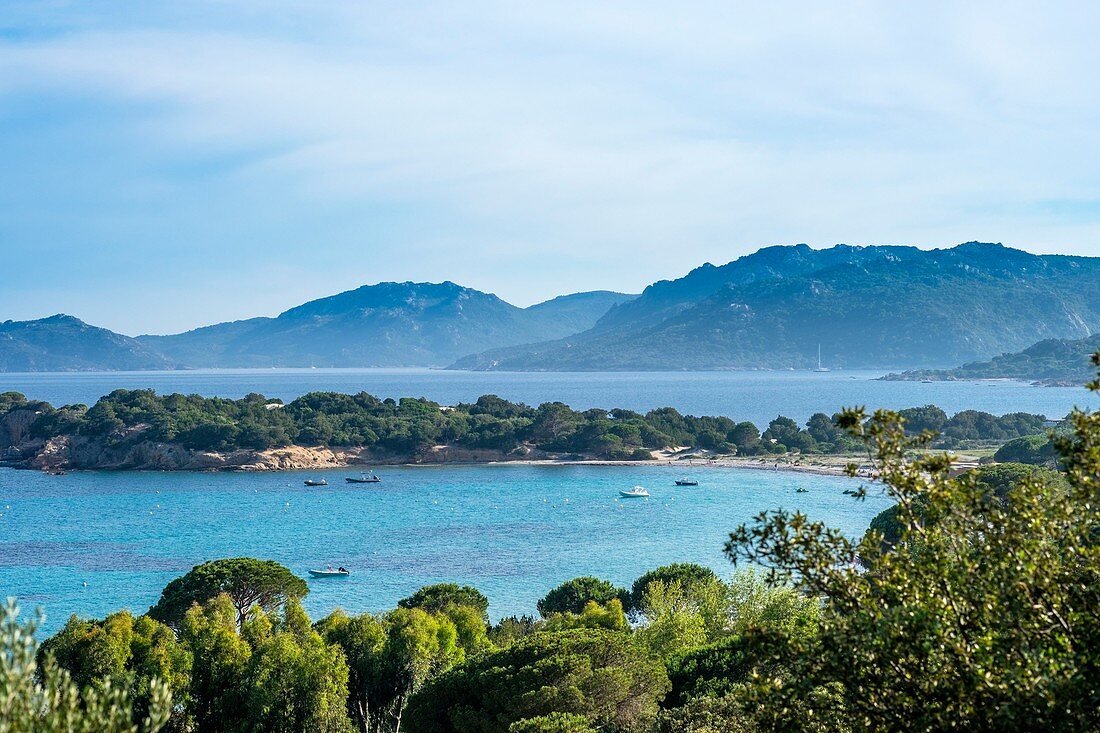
{"x":62,"y":343}
{"x":389,"y":324}
{"x":871,"y":307}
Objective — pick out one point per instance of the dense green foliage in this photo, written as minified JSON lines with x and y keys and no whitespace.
{"x":1051,"y":361}
{"x":980,"y":614}
{"x":431,"y":664}
{"x":247,"y":582}
{"x":999,"y":478}
{"x":134,"y":654}
{"x":573,"y":595}
{"x":688,"y":575}
{"x":1038,"y":450}
{"x":440,"y":597}
{"x":38,"y":695}
{"x":592,"y":673}
{"x":409,"y":426}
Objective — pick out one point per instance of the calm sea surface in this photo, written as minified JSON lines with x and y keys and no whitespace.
{"x":756,"y":396}
{"x":512,"y":531}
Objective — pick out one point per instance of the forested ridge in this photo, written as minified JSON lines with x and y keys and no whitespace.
{"x":408,"y":426}
{"x":1051,"y":361}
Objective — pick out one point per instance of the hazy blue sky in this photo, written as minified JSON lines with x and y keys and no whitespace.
{"x":165,"y":165}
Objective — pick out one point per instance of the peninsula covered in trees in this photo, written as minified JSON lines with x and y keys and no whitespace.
{"x":140,"y":429}
{"x":1051,"y":362}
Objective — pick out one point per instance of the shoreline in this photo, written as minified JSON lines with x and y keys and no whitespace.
{"x":817,"y":465}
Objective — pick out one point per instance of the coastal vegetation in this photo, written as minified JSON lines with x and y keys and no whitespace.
{"x":115,"y":430}
{"x":977,"y":612}
{"x":1054,"y":362}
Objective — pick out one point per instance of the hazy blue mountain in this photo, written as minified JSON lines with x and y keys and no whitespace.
{"x":866,"y":306}
{"x":62,"y":343}
{"x":389,"y":324}
{"x":1051,"y":361}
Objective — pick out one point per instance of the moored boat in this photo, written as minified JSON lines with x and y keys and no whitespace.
{"x":363,"y":478}
{"x":638,"y":492}
{"x":330,"y":573}
{"x":315,"y":482}
{"x":686,"y":482}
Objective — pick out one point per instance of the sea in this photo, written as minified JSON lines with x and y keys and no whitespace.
{"x":758,"y":396}
{"x":89,"y":543}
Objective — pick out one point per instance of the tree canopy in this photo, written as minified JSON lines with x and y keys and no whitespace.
{"x":409,"y":427}
{"x":980,"y":613}
{"x":246,"y":581}
{"x":42,"y":697}
{"x":688,"y":575}
{"x":573,"y":595}
{"x":579,"y":672}
{"x":442,"y":596}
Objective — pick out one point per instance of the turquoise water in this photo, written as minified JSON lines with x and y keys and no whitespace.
{"x":512,"y":531}
{"x":755,"y":396}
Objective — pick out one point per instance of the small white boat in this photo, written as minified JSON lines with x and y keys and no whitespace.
{"x":638,"y":492}
{"x":312,"y":482}
{"x":330,"y":573}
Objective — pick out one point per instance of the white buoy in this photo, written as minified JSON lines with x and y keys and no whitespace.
{"x":85,"y":584}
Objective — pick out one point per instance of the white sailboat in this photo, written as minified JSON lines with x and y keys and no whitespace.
{"x":819,"y":367}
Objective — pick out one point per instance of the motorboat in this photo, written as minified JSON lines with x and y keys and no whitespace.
{"x":686,"y":482}
{"x":363,"y":478}
{"x":314,"y":482}
{"x":330,"y":573}
{"x":638,"y":492}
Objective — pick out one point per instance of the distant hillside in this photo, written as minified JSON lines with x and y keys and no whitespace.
{"x":62,"y":343}
{"x":866,"y":306}
{"x":1051,"y":361}
{"x":389,"y":324}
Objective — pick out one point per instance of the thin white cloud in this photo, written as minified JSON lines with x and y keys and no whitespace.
{"x":615,"y":133}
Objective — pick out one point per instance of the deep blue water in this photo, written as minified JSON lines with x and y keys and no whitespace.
{"x":512,"y":531}
{"x":755,"y":396}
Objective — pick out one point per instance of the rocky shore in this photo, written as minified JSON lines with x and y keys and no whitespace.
{"x":66,"y":453}
{"x":80,"y":453}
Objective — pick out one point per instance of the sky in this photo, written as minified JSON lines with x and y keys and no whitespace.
{"x":170,"y":165}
